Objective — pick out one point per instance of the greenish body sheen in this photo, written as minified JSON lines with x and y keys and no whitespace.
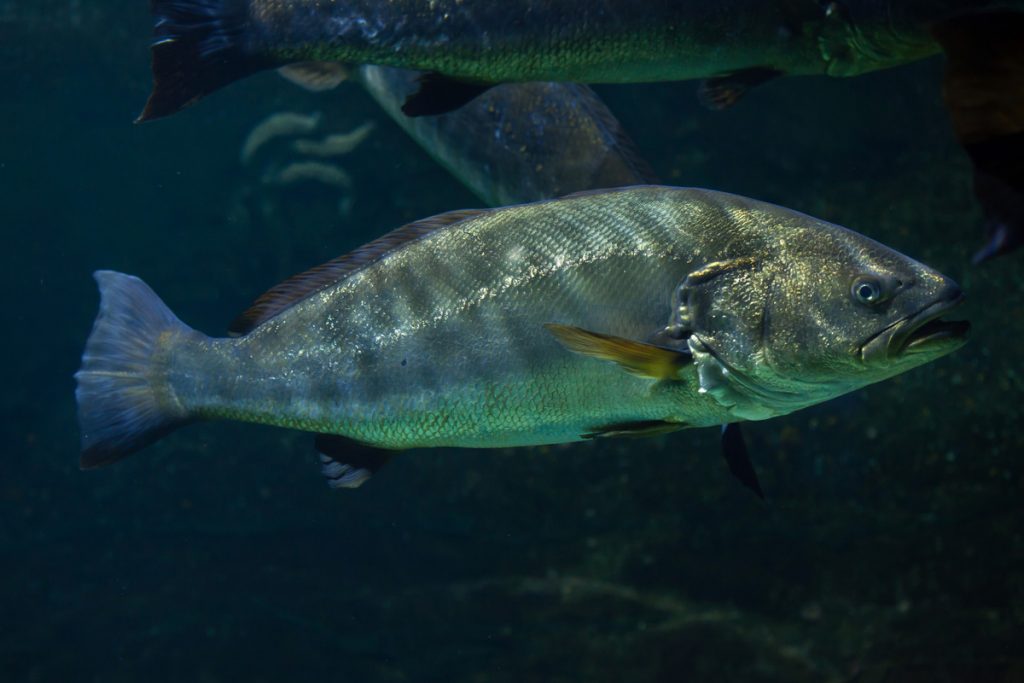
{"x":601,"y":41}
{"x":614,"y":41}
{"x":442,"y":341}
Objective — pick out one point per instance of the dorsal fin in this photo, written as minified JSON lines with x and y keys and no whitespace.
{"x":299,"y":287}
{"x":600,"y":190}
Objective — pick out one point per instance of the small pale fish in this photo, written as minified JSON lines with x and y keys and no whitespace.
{"x":279,"y":125}
{"x":299,"y":172}
{"x":625,"y":312}
{"x":335,"y":145}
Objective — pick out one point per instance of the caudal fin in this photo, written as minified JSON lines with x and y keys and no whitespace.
{"x":123,"y":401}
{"x":197,"y":49}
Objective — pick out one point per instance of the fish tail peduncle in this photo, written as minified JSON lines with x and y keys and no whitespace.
{"x":124,"y":401}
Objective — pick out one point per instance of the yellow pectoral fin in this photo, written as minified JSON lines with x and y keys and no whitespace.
{"x":638,"y":358}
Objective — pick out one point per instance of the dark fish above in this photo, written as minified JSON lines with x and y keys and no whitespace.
{"x":202,"y":45}
{"x":617,"y":313}
{"x":516,"y":143}
{"x":467,"y":46}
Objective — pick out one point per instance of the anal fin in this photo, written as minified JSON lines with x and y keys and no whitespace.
{"x":734,"y":450}
{"x":721,"y":92}
{"x":348,"y":464}
{"x":439,"y":94}
{"x":638,"y":429}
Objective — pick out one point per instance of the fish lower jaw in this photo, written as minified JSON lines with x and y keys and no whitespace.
{"x":919,"y":334}
{"x":938,"y":336}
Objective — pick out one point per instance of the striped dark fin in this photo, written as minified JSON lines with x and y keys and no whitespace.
{"x":302,"y":286}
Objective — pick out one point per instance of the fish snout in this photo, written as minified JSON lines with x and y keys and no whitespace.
{"x":923,"y":331}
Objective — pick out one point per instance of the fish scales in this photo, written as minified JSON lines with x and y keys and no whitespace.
{"x":442,"y":342}
{"x":607,"y":41}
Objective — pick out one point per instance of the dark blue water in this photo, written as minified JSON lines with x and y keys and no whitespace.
{"x":890,"y":549}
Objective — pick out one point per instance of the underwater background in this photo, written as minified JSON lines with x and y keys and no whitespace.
{"x":890,"y":548}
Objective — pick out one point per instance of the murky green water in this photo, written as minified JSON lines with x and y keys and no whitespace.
{"x":890,"y":549}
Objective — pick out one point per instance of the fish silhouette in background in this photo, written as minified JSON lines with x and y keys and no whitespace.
{"x":466,"y":47}
{"x":516,"y":143}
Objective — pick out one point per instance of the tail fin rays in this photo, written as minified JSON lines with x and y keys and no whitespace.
{"x":123,"y":401}
{"x":198,"y":48}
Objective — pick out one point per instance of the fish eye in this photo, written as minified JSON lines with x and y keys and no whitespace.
{"x":867,"y":290}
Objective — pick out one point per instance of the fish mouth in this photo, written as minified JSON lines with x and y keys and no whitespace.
{"x":920,"y":332}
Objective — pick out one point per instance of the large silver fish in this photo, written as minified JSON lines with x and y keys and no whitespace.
{"x":622,"y":312}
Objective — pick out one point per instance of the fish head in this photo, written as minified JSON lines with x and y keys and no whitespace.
{"x":817,"y":312}
{"x":868,"y":35}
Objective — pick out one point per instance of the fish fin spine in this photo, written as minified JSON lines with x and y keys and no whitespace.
{"x":124,"y":403}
